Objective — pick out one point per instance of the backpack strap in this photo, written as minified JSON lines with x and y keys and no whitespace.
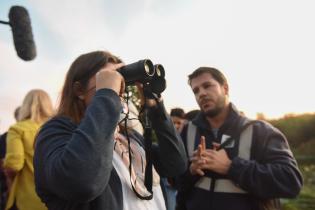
{"x":245,"y":141}
{"x":191,"y":138}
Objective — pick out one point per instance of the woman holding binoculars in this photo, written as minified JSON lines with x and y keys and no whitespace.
{"x":84,"y":161}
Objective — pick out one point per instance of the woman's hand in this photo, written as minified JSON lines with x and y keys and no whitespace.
{"x":10,"y":175}
{"x":149,"y":102}
{"x":109,"y":77}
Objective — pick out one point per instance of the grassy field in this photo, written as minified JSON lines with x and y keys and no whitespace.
{"x":306,"y":199}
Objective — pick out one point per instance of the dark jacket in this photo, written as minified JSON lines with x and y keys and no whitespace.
{"x":270,"y":172}
{"x":3,"y":144}
{"x":73,"y":163}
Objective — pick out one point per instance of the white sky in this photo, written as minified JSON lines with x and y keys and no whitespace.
{"x":265,"y":47}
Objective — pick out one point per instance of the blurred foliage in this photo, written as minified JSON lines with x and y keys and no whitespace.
{"x":134,"y":96}
{"x":306,"y":199}
{"x":299,"y":129}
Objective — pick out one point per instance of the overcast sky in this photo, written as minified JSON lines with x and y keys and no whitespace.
{"x":265,"y":48}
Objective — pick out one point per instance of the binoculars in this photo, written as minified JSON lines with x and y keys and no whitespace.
{"x":143,"y":71}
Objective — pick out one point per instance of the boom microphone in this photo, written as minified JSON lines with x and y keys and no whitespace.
{"x":20,"y":23}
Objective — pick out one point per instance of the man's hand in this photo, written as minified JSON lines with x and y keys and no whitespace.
{"x":209,"y":159}
{"x":217,"y":161}
{"x":197,"y":160}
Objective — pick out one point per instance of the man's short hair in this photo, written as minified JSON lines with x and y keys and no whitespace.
{"x":215,"y":73}
{"x":177,"y":112}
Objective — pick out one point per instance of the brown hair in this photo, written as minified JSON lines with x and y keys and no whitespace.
{"x":81,"y":70}
{"x":177,"y":112}
{"x":216,"y":74}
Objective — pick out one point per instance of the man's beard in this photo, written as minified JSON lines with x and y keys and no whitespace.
{"x":219,"y":106}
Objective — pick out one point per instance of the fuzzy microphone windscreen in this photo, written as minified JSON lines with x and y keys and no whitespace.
{"x":22,"y":33}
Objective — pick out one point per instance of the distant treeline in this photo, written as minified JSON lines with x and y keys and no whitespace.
{"x":299,"y":130}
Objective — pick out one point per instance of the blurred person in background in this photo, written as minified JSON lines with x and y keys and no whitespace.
{"x":18,"y":162}
{"x":3,"y":180}
{"x":178,"y":118}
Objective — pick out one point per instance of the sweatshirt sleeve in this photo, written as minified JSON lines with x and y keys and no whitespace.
{"x":75,"y":163}
{"x":274,"y":172}
{"x":169,"y":155}
{"x":14,"y":158}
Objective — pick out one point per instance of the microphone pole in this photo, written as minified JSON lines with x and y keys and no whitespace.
{"x":4,"y":22}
